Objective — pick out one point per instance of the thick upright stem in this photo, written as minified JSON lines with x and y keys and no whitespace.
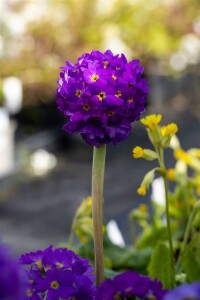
{"x":98,"y":168}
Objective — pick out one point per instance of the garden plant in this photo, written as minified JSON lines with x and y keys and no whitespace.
{"x":101,"y":96}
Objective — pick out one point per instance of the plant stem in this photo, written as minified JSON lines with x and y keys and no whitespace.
{"x":71,"y":239}
{"x":168,"y":226}
{"x":98,"y":168}
{"x":163,"y":168}
{"x":186,"y":234}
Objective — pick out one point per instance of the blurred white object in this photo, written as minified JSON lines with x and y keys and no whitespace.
{"x":7,"y":150}
{"x":174,"y":143}
{"x":114,"y":233}
{"x":158,"y":191}
{"x":12,"y":90}
{"x":42,"y":162}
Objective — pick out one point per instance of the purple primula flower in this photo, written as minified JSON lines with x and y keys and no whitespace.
{"x":101,"y":95}
{"x":12,"y":282}
{"x":129,"y":285}
{"x":58,"y":274}
{"x":185,"y":292}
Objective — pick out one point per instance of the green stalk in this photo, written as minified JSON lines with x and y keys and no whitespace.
{"x":98,"y":168}
{"x":186,"y":234}
{"x":169,"y":227}
{"x":163,"y":168}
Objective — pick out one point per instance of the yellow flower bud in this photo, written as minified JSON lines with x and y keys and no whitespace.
{"x":142,"y":190}
{"x":142,"y":207}
{"x":138,"y":152}
{"x":151,"y":121}
{"x":169,"y":129}
{"x":89,"y":201}
{"x":171,"y":174}
{"x":83,"y":239}
{"x":172,"y":128}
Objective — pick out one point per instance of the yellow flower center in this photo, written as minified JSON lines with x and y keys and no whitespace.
{"x":78,"y":93}
{"x":130,"y":100}
{"x":94,"y":78}
{"x":39,"y":264}
{"x":105,"y":64}
{"x":114,"y":77}
{"x":29,"y":292}
{"x":54,"y":285}
{"x":128,"y":289}
{"x":59,"y":265}
{"x":118,"y":94}
{"x":111,"y":114}
{"x":101,"y":96}
{"x":86,"y":107}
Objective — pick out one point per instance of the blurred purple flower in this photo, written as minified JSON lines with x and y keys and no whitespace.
{"x":101,"y":95}
{"x":12,"y":284}
{"x":129,"y":285}
{"x":185,"y":292}
{"x":58,"y":274}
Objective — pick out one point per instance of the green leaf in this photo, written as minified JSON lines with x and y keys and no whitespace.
{"x":160,"y":266}
{"x":110,"y":273}
{"x":191,"y":261}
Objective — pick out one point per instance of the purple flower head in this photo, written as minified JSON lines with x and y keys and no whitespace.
{"x":185,"y":292}
{"x":12,"y":283}
{"x":58,"y":274}
{"x":101,"y":95}
{"x":129,"y":285}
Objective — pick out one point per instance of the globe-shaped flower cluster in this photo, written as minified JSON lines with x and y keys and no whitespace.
{"x":55,"y":274}
{"x":101,"y":95}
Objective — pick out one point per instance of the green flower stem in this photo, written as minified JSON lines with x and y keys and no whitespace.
{"x":71,"y":238}
{"x":98,"y":168}
{"x":169,"y":227}
{"x":186,"y":234}
{"x":163,"y":168}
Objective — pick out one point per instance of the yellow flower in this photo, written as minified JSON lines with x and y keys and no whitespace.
{"x":142,"y":190}
{"x":182,"y":155}
{"x":169,"y":129}
{"x":151,"y":121}
{"x":198,"y":153}
{"x":142,"y":207}
{"x":138,"y":152}
{"x":89,"y":201}
{"x":83,"y":239}
{"x":171,"y":174}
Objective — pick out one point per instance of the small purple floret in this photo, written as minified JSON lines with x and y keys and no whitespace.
{"x":101,"y":95}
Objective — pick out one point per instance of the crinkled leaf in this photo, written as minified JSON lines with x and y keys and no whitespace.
{"x":191,"y":260}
